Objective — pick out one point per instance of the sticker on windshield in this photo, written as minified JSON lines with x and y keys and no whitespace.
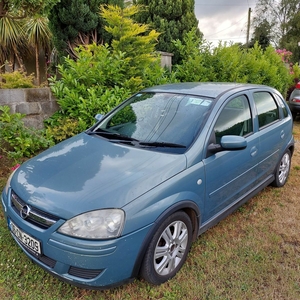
{"x":198,"y":101}
{"x":206,"y":103}
{"x":195,"y":101}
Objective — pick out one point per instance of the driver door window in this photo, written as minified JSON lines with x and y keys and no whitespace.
{"x":235,"y":119}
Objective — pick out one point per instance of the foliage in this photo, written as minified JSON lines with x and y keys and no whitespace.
{"x":77,"y":22}
{"x":89,"y":85}
{"x":11,"y":40}
{"x":62,"y":128}
{"x":18,"y":140}
{"x":16,"y":79}
{"x":231,"y":63}
{"x":261,"y":35}
{"x":291,"y":39}
{"x":134,"y":40}
{"x":25,"y":7}
{"x":197,"y":56}
{"x":103,"y":76}
{"x":277,"y":14}
{"x":296,"y":72}
{"x":13,"y":15}
{"x":38,"y":35}
{"x":173,"y":19}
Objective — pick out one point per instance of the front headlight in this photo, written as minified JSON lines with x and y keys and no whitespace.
{"x":98,"y":224}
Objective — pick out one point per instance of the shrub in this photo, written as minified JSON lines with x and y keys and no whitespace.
{"x":15,"y":80}
{"x":295,"y":72}
{"x":103,"y":76}
{"x":231,"y":63}
{"x":16,"y":139}
{"x":92,"y":84}
{"x":59,"y":128}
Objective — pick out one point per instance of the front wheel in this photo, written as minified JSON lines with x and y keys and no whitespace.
{"x":168,"y":249}
{"x":282,"y":170}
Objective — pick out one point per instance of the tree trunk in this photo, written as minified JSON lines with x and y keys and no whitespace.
{"x":37,"y":66}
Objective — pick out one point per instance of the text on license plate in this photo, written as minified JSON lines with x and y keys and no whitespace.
{"x":26,"y":239}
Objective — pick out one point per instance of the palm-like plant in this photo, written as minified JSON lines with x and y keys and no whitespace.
{"x":38,"y":35}
{"x":11,"y":40}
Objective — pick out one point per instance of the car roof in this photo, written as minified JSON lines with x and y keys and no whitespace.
{"x":207,"y":89}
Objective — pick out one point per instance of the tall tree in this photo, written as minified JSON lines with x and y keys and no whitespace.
{"x":12,"y":17}
{"x":77,"y":22}
{"x":172,"y":18}
{"x":135,"y":41}
{"x":11,"y":41}
{"x":291,"y":40}
{"x":278,"y":14}
{"x":38,"y":35}
{"x":262,"y":35}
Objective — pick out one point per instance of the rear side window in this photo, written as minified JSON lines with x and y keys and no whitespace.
{"x":267,"y":109}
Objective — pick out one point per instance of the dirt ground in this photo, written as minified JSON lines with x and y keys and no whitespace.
{"x":6,"y":165}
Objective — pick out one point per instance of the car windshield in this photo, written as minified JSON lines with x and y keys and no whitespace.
{"x":161,"y":121}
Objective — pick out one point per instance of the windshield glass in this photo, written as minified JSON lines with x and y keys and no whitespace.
{"x":158,"y":119}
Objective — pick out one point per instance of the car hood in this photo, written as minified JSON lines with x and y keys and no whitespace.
{"x":87,"y":172}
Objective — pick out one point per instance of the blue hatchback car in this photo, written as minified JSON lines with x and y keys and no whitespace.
{"x":127,"y":197}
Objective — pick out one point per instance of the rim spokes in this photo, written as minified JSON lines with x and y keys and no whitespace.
{"x":284,"y":168}
{"x":170,"y":248}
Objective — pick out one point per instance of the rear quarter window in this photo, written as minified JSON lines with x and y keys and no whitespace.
{"x":267,"y":108}
{"x":282,"y":104}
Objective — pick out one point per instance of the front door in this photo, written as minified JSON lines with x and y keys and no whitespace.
{"x":231,"y":173}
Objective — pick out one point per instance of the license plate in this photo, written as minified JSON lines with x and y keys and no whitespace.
{"x":27,"y":240}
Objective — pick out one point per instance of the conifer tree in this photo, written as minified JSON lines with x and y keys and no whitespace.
{"x":77,"y":22}
{"x":172,"y":19}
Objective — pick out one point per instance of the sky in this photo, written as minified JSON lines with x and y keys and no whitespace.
{"x":224,"y":20}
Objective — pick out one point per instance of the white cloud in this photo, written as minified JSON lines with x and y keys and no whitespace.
{"x":224,"y":20}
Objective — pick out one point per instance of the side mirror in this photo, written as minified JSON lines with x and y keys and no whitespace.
{"x":228,"y":142}
{"x":233,"y":142}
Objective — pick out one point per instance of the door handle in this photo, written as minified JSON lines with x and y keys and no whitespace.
{"x":253,"y":151}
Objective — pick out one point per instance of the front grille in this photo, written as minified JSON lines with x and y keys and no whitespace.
{"x":84,"y":273}
{"x":31,"y":214}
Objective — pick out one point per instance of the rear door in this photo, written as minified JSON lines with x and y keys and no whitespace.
{"x":273,"y":124}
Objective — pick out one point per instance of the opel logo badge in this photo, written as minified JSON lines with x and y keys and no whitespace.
{"x":25,"y":211}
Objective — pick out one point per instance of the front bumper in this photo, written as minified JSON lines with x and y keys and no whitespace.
{"x":85,"y":263}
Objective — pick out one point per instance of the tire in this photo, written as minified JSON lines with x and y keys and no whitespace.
{"x":282,"y":170}
{"x":168,"y":249}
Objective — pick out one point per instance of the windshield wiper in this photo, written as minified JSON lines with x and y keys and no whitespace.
{"x":119,"y":138}
{"x":112,"y":136}
{"x":102,"y":132}
{"x":161,"y":144}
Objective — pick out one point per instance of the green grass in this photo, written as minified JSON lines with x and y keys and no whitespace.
{"x":252,"y":254}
